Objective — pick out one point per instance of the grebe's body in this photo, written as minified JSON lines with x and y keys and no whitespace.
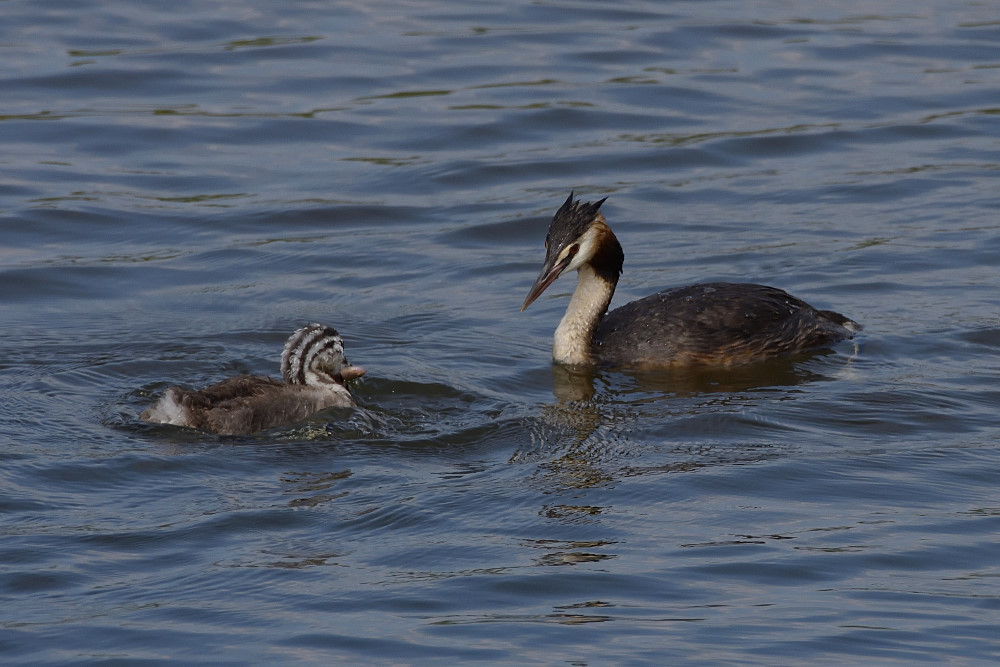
{"x":314,"y":372}
{"x":719,"y":324}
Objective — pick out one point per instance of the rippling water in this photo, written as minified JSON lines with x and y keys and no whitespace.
{"x":181,"y":185}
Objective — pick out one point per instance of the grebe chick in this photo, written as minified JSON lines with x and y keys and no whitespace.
{"x":720,"y":324}
{"x":314,"y":372}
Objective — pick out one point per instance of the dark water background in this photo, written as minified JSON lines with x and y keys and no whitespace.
{"x":182,"y":184}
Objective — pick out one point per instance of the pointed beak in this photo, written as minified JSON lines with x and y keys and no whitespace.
{"x":545,"y":278}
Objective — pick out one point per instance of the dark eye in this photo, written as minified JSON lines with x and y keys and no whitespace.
{"x":573,"y":249}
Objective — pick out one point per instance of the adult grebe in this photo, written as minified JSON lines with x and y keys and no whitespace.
{"x":314,"y":372}
{"x":720,"y":324}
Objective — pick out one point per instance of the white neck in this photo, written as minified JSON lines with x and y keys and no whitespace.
{"x":574,"y":338}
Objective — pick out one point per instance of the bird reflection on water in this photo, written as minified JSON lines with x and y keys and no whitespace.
{"x":584,"y":439}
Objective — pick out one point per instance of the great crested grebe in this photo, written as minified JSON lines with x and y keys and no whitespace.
{"x":716,"y":324}
{"x":314,"y":372}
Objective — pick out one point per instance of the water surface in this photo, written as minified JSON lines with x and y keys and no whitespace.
{"x":182,"y":187}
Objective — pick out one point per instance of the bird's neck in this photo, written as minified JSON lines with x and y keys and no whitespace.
{"x":319,"y":377}
{"x":574,"y":338}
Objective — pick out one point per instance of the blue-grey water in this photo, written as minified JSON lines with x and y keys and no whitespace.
{"x":183,"y":184}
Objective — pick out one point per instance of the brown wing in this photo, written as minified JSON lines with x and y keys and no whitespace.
{"x":231,"y":406}
{"x":715,"y":323}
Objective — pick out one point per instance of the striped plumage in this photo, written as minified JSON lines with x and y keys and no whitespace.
{"x":314,"y":372}
{"x":311,"y":353}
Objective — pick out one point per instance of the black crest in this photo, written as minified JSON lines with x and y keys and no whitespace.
{"x":571,"y":221}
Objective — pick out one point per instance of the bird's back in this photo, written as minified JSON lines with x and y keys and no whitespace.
{"x":246,"y":404}
{"x":717,"y":324}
